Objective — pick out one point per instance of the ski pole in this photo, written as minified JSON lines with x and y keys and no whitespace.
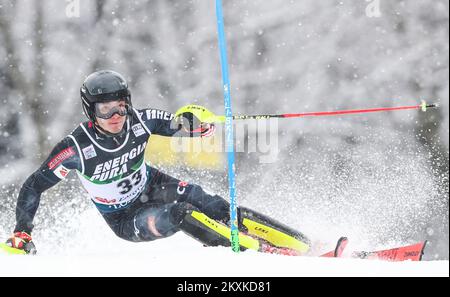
{"x":424,"y":107}
{"x":207,"y":116}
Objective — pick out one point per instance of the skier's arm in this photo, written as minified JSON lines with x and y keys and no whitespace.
{"x":63,"y":158}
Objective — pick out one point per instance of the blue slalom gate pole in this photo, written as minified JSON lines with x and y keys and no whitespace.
{"x":229,"y":134}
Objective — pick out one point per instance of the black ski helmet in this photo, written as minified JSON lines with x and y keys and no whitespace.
{"x":103,"y":86}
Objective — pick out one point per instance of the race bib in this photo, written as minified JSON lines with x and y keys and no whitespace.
{"x":109,"y":197}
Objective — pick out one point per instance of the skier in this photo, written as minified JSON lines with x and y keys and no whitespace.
{"x":137,"y":201}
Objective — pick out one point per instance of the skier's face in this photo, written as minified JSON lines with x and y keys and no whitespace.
{"x":115,"y":123}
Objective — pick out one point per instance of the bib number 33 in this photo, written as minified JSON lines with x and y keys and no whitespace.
{"x":127,"y":184}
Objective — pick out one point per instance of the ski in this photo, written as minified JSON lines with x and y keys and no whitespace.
{"x":335,"y":253}
{"x":338,"y":250}
{"x":267,"y":248}
{"x":411,"y":252}
{"x":4,"y":248}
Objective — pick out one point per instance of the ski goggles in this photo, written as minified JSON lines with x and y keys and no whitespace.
{"x":109,"y":109}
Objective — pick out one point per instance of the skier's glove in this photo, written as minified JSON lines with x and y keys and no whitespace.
{"x":22,"y":241}
{"x":207,"y":129}
{"x":196,"y":120}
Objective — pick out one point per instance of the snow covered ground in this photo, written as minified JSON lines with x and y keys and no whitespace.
{"x":180,"y":256}
{"x":97,"y":252}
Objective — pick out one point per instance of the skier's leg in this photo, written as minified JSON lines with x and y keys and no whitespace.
{"x":250,"y":221}
{"x":151,"y":221}
{"x":168,"y":189}
{"x":160,"y":221}
{"x":144,"y":222}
